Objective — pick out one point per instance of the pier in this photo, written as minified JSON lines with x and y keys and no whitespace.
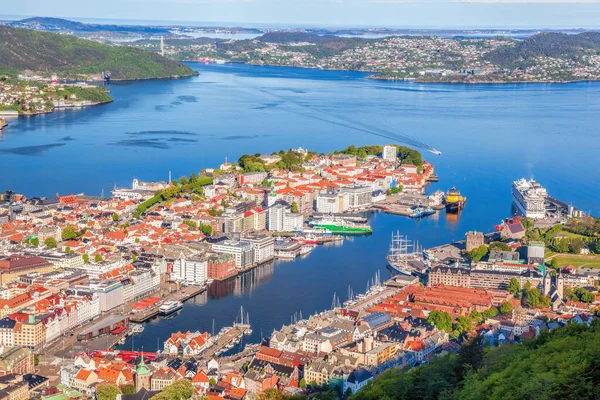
{"x":184,"y":294}
{"x":230,"y":336}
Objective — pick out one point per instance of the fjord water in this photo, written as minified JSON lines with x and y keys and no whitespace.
{"x":489,"y":135}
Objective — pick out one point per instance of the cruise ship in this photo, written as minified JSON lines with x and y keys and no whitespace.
{"x":170,"y":307}
{"x":341,"y":227}
{"x":529,"y":198}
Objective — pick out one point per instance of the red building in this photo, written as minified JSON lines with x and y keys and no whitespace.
{"x":220,"y":266}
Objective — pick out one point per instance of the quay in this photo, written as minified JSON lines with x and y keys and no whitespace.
{"x":373,"y":299}
{"x":182,"y":295}
{"x":231,"y":335}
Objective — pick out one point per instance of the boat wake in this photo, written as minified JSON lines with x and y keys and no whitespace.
{"x":381,"y":129}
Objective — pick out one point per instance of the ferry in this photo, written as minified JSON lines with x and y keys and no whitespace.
{"x":170,"y":307}
{"x":455,"y":202}
{"x":341,"y":227}
{"x":306,"y":249}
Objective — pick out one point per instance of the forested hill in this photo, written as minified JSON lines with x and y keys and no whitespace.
{"x":562,"y":364}
{"x":558,"y":45}
{"x":67,"y":56}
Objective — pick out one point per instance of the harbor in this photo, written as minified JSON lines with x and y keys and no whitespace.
{"x":182,"y":295}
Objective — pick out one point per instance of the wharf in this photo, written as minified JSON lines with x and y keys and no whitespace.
{"x":373,"y":299}
{"x":228,"y":337}
{"x":184,"y":294}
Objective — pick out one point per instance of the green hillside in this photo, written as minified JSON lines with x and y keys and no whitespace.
{"x":67,"y":56}
{"x":562,"y":364}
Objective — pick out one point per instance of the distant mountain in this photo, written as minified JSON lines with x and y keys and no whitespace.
{"x":64,"y":25}
{"x":296,"y":37}
{"x":546,"y":45}
{"x":67,"y":56}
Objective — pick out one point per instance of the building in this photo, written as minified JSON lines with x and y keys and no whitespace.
{"x":529,"y":198}
{"x":357,"y":378}
{"x":333,"y":203}
{"x":494,"y":276}
{"x":262,"y":247}
{"x":535,"y":253}
{"x":16,"y":360}
{"x":220,"y":266}
{"x":142,"y":376}
{"x":110,"y":293}
{"x":242,"y":251}
{"x":255,"y":219}
{"x":192,"y":269}
{"x":162,"y":378}
{"x":389,"y":153}
{"x":358,"y":196}
{"x":30,"y":334}
{"x":474,"y":240}
{"x":11,"y":267}
{"x":252,"y":178}
{"x":281,"y":219}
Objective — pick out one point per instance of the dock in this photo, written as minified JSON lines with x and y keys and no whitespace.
{"x":233,"y":333}
{"x":184,"y":294}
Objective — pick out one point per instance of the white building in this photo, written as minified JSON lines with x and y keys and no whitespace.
{"x":192,"y":269}
{"x":389,"y":153}
{"x":263,"y":246}
{"x":281,"y":219}
{"x":242,"y":251}
{"x":333,"y":203}
{"x":358,"y":196}
{"x":110,"y":293}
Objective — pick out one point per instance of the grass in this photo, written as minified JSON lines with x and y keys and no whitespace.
{"x":592,"y":261}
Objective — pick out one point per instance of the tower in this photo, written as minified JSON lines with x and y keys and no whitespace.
{"x":142,"y":375}
{"x":272,"y":197}
{"x":547,"y":283}
{"x":560,"y":284}
{"x":162,"y":46}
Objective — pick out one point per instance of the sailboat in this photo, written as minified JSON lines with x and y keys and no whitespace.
{"x":402,"y":250}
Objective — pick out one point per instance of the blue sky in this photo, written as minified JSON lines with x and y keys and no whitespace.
{"x":390,"y":13}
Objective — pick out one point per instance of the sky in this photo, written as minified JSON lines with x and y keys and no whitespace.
{"x":334,"y":13}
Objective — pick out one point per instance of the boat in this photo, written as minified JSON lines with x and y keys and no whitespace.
{"x":417,"y":212}
{"x":428,"y":211}
{"x":341,"y":227}
{"x":401,"y":252}
{"x":170,"y":307}
{"x":136,"y":329}
{"x":455,"y":202}
{"x":2,"y":123}
{"x":307,"y":239}
{"x":306,"y":249}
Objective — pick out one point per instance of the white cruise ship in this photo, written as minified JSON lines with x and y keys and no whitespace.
{"x":170,"y":307}
{"x":529,"y":198}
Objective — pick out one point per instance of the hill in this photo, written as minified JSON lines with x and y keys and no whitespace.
{"x":562,"y":364}
{"x":67,"y":56}
{"x":557,"y":45}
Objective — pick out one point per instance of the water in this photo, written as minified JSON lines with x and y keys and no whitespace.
{"x":490,"y":135}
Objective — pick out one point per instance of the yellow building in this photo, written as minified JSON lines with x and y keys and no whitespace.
{"x":30,"y":334}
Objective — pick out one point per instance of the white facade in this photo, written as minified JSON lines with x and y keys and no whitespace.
{"x":358,"y":196}
{"x":144,"y":283}
{"x":190,"y":270}
{"x":389,"y":153}
{"x":88,"y":309}
{"x":281,"y":219}
{"x":332,"y":203}
{"x":242,"y":251}
{"x":263,"y":247}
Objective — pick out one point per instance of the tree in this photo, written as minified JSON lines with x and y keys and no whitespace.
{"x":35,"y":241}
{"x":107,"y":391}
{"x":69,"y":233}
{"x":183,"y":180}
{"x":190,"y":223}
{"x":212,"y":382}
{"x":175,"y":182}
{"x":476,"y":317}
{"x":128,"y":389}
{"x":506,"y":308}
{"x":463,"y":325}
{"x":500,"y":246}
{"x":193,"y":178}
{"x":206,"y":229}
{"x":490,"y":313}
{"x":554,"y":263}
{"x":562,"y":246}
{"x":576,"y":245}
{"x":514,"y":286}
{"x":97,"y":258}
{"x":478,"y":253}
{"x":50,"y":243}
{"x":181,"y":389}
{"x":86,"y":258}
{"x":302,"y":383}
{"x":441,"y":320}
{"x":36,"y":359}
{"x":115,"y":217}
{"x":294,"y":207}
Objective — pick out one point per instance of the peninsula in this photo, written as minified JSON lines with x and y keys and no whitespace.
{"x":544,"y":57}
